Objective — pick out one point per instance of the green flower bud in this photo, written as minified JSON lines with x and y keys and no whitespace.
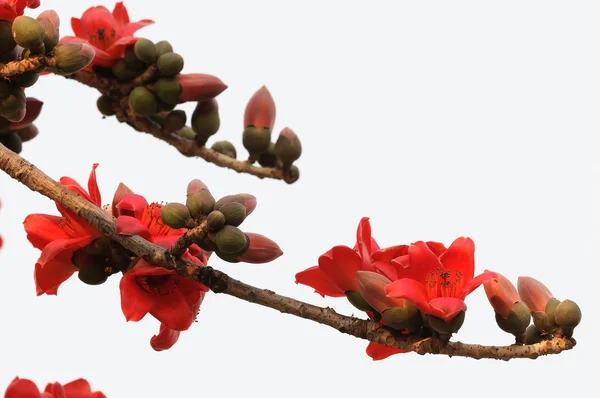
{"x":400,"y":318}
{"x":215,"y":220}
{"x":532,"y":335}
{"x":168,"y":90}
{"x":72,"y":57}
{"x":12,"y":141}
{"x":145,"y":51}
{"x":187,"y":132}
{"x":249,"y":201}
{"x":175,"y":215}
{"x":207,"y":244}
{"x":441,"y":326}
{"x":105,"y":105}
{"x":225,"y":148}
{"x":7,"y":43}
{"x":227,"y":257}
{"x":163,"y":47}
{"x":50,"y":22}
{"x":235,"y":213}
{"x":27,"y":32}
{"x":12,"y":103}
{"x":567,"y":315}
{"x":517,"y":321}
{"x":357,"y":300}
{"x":200,"y":203}
{"x":268,"y":158}
{"x":27,"y":79}
{"x":231,"y":240}
{"x":122,"y":71}
{"x":132,"y":60}
{"x":255,"y":140}
{"x":292,"y":174}
{"x":170,"y":64}
{"x":544,"y":321}
{"x":205,"y":120}
{"x":143,"y":102}
{"x":175,"y":120}
{"x":288,"y":148}
{"x":195,"y":186}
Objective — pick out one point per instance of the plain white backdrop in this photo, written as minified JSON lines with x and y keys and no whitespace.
{"x":436,"y":119}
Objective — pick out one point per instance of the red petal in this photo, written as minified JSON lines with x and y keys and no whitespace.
{"x":76,"y":26}
{"x":7,"y":12}
{"x":79,"y":388}
{"x":460,"y":256}
{"x":165,"y":338}
{"x":93,"y":187}
{"x":56,"y":389}
{"x":126,"y":225}
{"x":411,"y":290}
{"x":447,"y":308}
{"x":476,"y":282}
{"x":74,"y":186}
{"x":33,"y":108}
{"x":436,"y":247}
{"x":43,"y":228}
{"x":135,"y":303}
{"x":422,"y":261}
{"x":260,"y":110}
{"x":386,"y":269}
{"x":133,"y":27}
{"x":389,"y":253}
{"x":501,"y":294}
{"x":365,"y":243}
{"x":120,"y":13}
{"x":121,"y":191}
{"x":318,"y":280}
{"x":97,"y":394}
{"x":381,"y":351}
{"x":99,"y":27}
{"x":118,"y":47}
{"x":132,"y":205}
{"x":21,"y":388}
{"x":533,"y":293}
{"x":341,"y":267}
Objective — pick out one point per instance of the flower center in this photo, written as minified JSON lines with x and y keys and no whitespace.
{"x":151,"y":219}
{"x":102,"y":38}
{"x":441,"y":282}
{"x":158,"y":285}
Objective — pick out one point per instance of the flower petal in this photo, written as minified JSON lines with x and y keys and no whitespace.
{"x":133,"y":27}
{"x":410,"y":289}
{"x":422,"y":261}
{"x":501,"y":294}
{"x":120,"y":13}
{"x":342,"y":267}
{"x":118,"y":47}
{"x":76,"y":26}
{"x":79,"y":388}
{"x":318,"y":280}
{"x":382,"y":351}
{"x":365,"y":244}
{"x":165,"y":338}
{"x":126,"y":225}
{"x":43,"y":228}
{"x":389,"y":253}
{"x":135,"y":303}
{"x":533,"y":293}
{"x":132,"y":205}
{"x":447,"y":308}
{"x":93,"y":187}
{"x":476,"y":282}
{"x":436,"y":247}
{"x":22,"y":388}
{"x":460,"y":256}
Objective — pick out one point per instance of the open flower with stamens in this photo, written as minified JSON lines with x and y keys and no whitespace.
{"x":24,"y":388}
{"x":437,"y":282}
{"x":10,"y":9}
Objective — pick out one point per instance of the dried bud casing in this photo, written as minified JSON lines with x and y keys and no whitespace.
{"x":532,"y":335}
{"x":145,"y":51}
{"x":163,"y":47}
{"x":403,"y":317}
{"x":246,"y":199}
{"x":260,"y":250}
{"x":7,"y":43}
{"x":215,"y":220}
{"x":268,"y":158}
{"x":205,"y":119}
{"x":544,"y":321}
{"x":567,"y":315}
{"x":358,"y":301}
{"x":168,"y":90}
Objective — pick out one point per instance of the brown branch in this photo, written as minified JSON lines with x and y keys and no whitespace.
{"x":219,"y":282}
{"x":186,"y":240}
{"x":187,"y":147}
{"x":30,"y":64}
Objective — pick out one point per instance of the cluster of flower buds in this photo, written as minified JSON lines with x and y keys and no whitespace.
{"x":259,"y":119}
{"x":25,"y":388}
{"x":219,"y":221}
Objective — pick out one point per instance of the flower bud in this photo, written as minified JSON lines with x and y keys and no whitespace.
{"x":260,"y":250}
{"x":567,"y":315}
{"x":122,"y":71}
{"x":256,"y":140}
{"x":517,"y":321}
{"x":215,"y":220}
{"x":105,"y":105}
{"x":502,"y":295}
{"x":145,"y":51}
{"x":12,"y":104}
{"x":133,"y":62}
{"x":292,"y":174}
{"x":50,"y":22}
{"x":545,"y":321}
{"x":260,"y":110}
{"x":28,"y":133}
{"x":231,"y":240}
{"x":358,"y":301}
{"x":175,"y":215}
{"x":27,"y":32}
{"x":268,"y":158}
{"x":199,"y":87}
{"x":12,"y":141}
{"x":163,"y":47}
{"x":195,"y":186}
{"x":168,"y":90}
{"x":288,"y":148}
{"x":246,"y":199}
{"x":533,"y":293}
{"x":142,"y":102}
{"x":404,"y":316}
{"x":532,"y":335}
{"x":175,"y":120}
{"x":227,"y":257}
{"x":205,"y":119}
{"x":235,"y":213}
{"x":441,"y":326}
{"x":170,"y":64}
{"x":92,"y":268}
{"x":372,"y":288}
{"x":187,"y":133}
{"x":225,"y":148}
{"x":200,"y":203}
{"x":7,"y":43}
{"x":26,"y":79}
{"x":71,"y":57}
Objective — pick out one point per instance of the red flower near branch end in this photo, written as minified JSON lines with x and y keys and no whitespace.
{"x":24,"y":388}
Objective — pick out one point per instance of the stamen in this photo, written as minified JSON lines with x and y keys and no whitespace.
{"x":441,"y":282}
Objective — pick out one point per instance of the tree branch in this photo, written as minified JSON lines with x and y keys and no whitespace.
{"x":31,"y":64}
{"x":118,"y":90}
{"x":219,"y":282}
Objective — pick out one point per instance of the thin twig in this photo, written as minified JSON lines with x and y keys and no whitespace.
{"x":186,"y":240}
{"x":30,"y":64}
{"x":219,"y":282}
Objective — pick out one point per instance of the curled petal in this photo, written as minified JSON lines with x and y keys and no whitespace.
{"x":381,"y":351}
{"x":133,"y":27}
{"x":79,"y":388}
{"x":411,"y":290}
{"x":132,"y":205}
{"x":121,"y":191}
{"x":120,"y":13}
{"x":533,"y":293}
{"x":318,"y":280}
{"x":165,"y":338}
{"x":476,"y":282}
{"x":93,"y":187}
{"x":446,"y":308}
{"x":342,"y":267}
{"x":501,"y":294}
{"x":365,"y":244}
{"x":372,"y":287}
{"x":127,"y":225}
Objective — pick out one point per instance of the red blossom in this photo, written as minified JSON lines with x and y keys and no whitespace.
{"x":437,"y":281}
{"x":24,"y":388}
{"x":109,"y":33}
{"x":59,"y":237}
{"x":10,"y":9}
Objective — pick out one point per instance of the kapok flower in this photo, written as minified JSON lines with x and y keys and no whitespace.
{"x":170,"y":298}
{"x":336,"y":273}
{"x":60,"y":237}
{"x":438,"y":283}
{"x":534,"y":293}
{"x":10,"y":9}
{"x":108,"y":33}
{"x":24,"y":388}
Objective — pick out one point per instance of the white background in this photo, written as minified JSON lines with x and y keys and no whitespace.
{"x":437,"y":119}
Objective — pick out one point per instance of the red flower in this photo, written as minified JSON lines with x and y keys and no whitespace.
{"x":260,"y":110}
{"x":534,"y":293}
{"x":10,"y":9}
{"x":23,"y":388}
{"x":336,"y":273}
{"x":108,"y":33}
{"x":60,"y":237}
{"x":437,"y":281}
{"x":502,"y":295}
{"x":382,"y":351}
{"x":136,"y":217}
{"x":171,"y":299}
